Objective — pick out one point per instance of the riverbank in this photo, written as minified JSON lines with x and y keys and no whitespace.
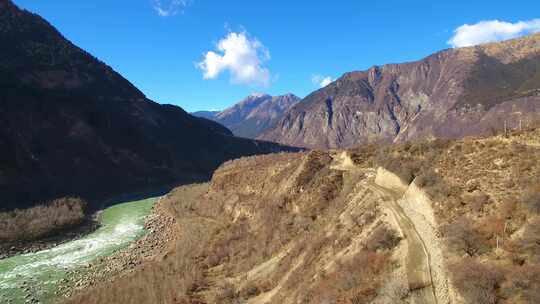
{"x":36,"y":277}
{"x":159,"y":226}
{"x":89,"y":225}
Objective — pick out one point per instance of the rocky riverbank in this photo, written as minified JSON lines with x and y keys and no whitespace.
{"x":88,"y":226}
{"x":160,"y":227}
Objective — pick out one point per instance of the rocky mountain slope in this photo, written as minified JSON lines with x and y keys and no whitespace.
{"x":450,"y":94}
{"x":253,"y":115}
{"x":70,"y":125}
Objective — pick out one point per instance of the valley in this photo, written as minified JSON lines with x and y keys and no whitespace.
{"x":400,"y":183}
{"x":253,"y":237}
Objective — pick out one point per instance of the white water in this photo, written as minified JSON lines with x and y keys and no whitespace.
{"x":41,"y":272}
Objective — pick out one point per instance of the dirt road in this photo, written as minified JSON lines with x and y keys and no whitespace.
{"x":418,"y":260}
{"x":419,"y":276}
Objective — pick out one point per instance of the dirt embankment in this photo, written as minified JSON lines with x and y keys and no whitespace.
{"x":426,"y":269}
{"x":283,"y":228}
{"x":312,"y":228}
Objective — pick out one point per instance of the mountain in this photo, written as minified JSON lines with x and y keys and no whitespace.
{"x":71,"y":125}
{"x":253,"y":115}
{"x":450,"y":94}
{"x":205,"y":114}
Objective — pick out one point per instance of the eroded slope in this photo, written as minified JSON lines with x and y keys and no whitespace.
{"x":450,"y":94}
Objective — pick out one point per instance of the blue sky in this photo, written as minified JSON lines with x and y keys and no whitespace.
{"x":161,"y":46}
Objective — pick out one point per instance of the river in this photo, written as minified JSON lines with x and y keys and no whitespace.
{"x":37,"y":275}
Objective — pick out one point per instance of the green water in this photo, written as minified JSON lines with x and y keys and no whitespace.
{"x":37,"y":275}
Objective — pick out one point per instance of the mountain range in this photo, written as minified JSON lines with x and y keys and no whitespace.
{"x":253,"y":115}
{"x":450,"y":94}
{"x":71,"y":125}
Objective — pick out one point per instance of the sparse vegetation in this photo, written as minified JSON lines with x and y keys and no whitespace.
{"x":265,"y":224}
{"x":493,"y":82}
{"x":383,"y":238}
{"x":478,"y":283}
{"x":463,"y":238}
{"x":531,"y":198}
{"x":354,"y":281}
{"x":484,"y":190}
{"x":32,"y":223}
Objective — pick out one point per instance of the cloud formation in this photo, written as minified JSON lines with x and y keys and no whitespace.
{"x":492,"y":31}
{"x":321,"y":81}
{"x":167,"y":8}
{"x":242,"y":56}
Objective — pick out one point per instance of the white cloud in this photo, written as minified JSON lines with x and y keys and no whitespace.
{"x":491,"y":31}
{"x":242,"y":56}
{"x":166,"y":8}
{"x":322,"y":81}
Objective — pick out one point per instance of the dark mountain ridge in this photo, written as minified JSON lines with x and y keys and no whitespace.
{"x":70,"y":125}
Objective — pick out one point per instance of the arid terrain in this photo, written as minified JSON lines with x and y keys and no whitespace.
{"x":394,"y":224}
{"x":406,"y":183}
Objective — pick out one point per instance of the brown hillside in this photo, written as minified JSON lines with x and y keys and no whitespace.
{"x":327,"y":226}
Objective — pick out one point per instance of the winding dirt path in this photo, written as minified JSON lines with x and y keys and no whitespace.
{"x":418,"y":260}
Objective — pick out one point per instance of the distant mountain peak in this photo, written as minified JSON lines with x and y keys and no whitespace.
{"x":252,"y":115}
{"x":257,"y":95}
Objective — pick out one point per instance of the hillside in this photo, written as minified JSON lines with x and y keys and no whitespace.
{"x":338,"y":227}
{"x":450,"y":94}
{"x":71,"y":125}
{"x":253,"y":115}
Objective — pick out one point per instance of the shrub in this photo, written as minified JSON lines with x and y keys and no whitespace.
{"x":250,"y":291}
{"x":330,"y":186}
{"x":353,"y":281}
{"x":462,"y":237}
{"x":314,"y":162}
{"x":32,"y":223}
{"x":531,"y":199}
{"x":530,"y":240}
{"x":226,"y":294}
{"x":383,"y":239}
{"x":477,"y":282}
{"x":434,"y":185}
{"x":476,"y":200}
{"x":427,"y":179}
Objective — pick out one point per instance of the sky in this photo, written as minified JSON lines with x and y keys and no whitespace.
{"x":208,"y":54}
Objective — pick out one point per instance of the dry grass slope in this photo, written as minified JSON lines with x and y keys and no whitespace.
{"x":294,"y":228}
{"x":42,"y":220}
{"x":267,"y":229}
{"x":486,"y":195}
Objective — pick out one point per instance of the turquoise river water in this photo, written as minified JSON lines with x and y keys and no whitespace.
{"x":37,"y":275}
